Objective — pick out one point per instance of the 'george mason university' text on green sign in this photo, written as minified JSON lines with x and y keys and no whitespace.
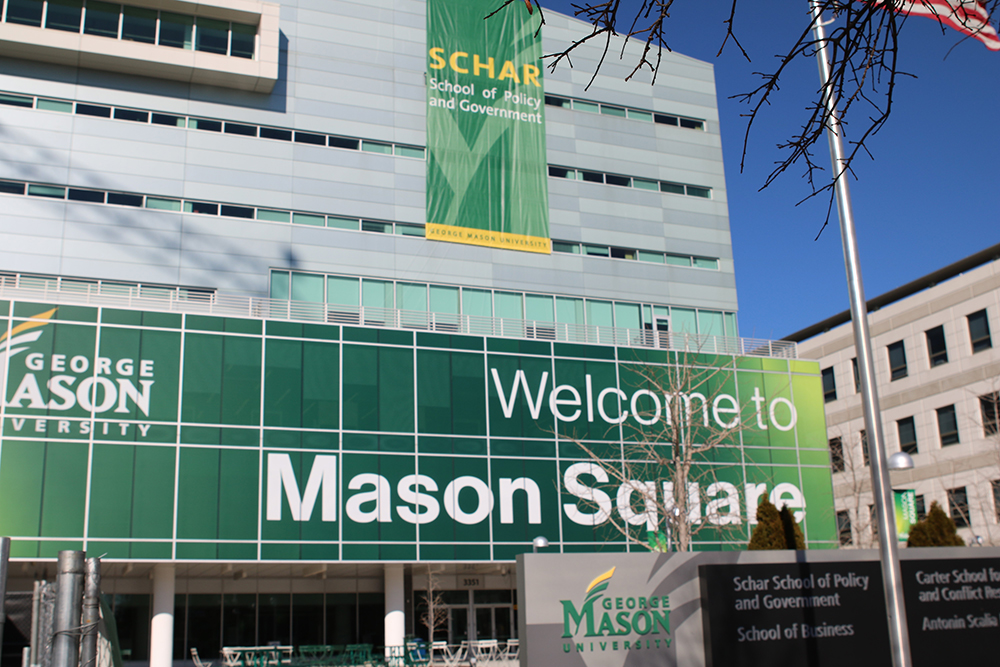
{"x":487,"y":178}
{"x":168,"y":436}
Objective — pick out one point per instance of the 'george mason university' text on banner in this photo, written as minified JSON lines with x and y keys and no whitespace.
{"x":486,"y":167}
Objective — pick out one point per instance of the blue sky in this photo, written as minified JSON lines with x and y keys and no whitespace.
{"x":928,"y":196}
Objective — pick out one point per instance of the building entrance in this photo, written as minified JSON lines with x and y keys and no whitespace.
{"x":478,"y":615}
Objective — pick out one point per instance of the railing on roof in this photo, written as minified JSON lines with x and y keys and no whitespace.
{"x":204,"y":302}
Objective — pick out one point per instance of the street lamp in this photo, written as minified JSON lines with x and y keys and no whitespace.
{"x":539,"y":542}
{"x":900,"y":461}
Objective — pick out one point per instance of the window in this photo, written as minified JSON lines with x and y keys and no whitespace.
{"x":936,"y":348}
{"x":996,"y":497}
{"x":979,"y":331}
{"x":989,"y":405}
{"x":829,"y":385}
{"x":921,"y":507}
{"x":958,"y":504}
{"x":857,"y":375}
{"x":897,"y":361}
{"x":873,"y":521}
{"x":907,"y":435}
{"x":844,"y":527}
{"x":837,"y":454}
{"x":863,"y":437}
{"x":947,"y":425}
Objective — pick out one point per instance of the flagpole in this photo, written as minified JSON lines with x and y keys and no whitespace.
{"x":892,"y":580}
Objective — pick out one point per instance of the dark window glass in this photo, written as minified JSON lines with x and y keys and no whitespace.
{"x":239,"y":128}
{"x":844,"y":527}
{"x":86,"y":195}
{"x":995,"y":484}
{"x":829,"y":385}
{"x":344,"y":142}
{"x":592,"y":176}
{"x":307,"y":609}
{"x":857,"y":375}
{"x":275,"y":133}
{"x":989,"y":406}
{"x":695,"y":191}
{"x":907,"y":431}
{"x":132,"y":114}
{"x":665,"y":120}
{"x":897,"y":361}
{"x":139,"y":25}
{"x":274,"y":619}
{"x":375,"y":226}
{"x":132,"y":617}
{"x":176,"y":30}
{"x":672,"y":188}
{"x":64,"y":15}
{"x":837,"y":454}
{"x":624,"y":181}
{"x":11,"y":188}
{"x":237,"y":211}
{"x":921,"y":506}
{"x":122,"y":199}
{"x":863,"y":437}
{"x":958,"y":503}
{"x":25,"y":12}
{"x":93,"y":110}
{"x":310,"y":138}
{"x":979,"y":331}
{"x":561,"y":172}
{"x":622,"y":253}
{"x":947,"y":425}
{"x":239,"y":619}
{"x":559,"y":246}
{"x":167,"y":119}
{"x":212,"y":36}
{"x":596,"y":251}
{"x":16,"y":100}
{"x":101,"y":18}
{"x":692,"y":124}
{"x":553,"y":101}
{"x":205,"y":124}
{"x":205,"y":208}
{"x":936,"y":348}
{"x":243,"y":38}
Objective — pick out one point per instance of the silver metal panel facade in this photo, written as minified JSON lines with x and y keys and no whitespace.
{"x":357,"y":70}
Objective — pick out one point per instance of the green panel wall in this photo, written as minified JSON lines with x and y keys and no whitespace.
{"x":165,"y":436}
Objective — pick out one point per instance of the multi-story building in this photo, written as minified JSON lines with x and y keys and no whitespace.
{"x":937,"y":366}
{"x":237,"y":367}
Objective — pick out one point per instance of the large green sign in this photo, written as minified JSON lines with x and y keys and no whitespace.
{"x":486,"y":166}
{"x":169,"y":436}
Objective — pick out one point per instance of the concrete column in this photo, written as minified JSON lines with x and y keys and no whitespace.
{"x":161,"y":631}
{"x":395,"y":616}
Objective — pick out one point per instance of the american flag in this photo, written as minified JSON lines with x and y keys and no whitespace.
{"x":967,"y":16}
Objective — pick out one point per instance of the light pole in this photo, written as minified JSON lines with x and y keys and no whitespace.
{"x":539,"y":542}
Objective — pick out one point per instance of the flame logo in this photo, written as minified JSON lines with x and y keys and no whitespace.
{"x":17,"y":336}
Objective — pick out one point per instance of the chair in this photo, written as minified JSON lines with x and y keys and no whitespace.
{"x":197,"y":660}
{"x":512,"y":650}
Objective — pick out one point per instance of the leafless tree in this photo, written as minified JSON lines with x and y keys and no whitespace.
{"x":671,"y":474}
{"x":862,"y":41}
{"x":435,"y":615}
{"x":853,"y":488}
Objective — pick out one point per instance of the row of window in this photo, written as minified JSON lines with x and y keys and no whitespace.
{"x":630,"y":182}
{"x":958,"y":508}
{"x":134,"y":24}
{"x":623,"y":112}
{"x":109,"y":287}
{"x":210,"y":125}
{"x":316,"y":220}
{"x":455,"y":300}
{"x":653,"y":256}
{"x":906,"y":430}
{"x":329,"y":140}
{"x":937,"y":353}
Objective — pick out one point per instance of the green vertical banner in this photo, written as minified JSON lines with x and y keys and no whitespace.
{"x":487,"y":178}
{"x":906,"y":513}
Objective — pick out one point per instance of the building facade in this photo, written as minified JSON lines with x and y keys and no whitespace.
{"x":237,"y":367}
{"x":938,"y":374}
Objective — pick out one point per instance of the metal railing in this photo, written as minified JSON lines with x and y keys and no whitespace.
{"x":203,"y":302}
